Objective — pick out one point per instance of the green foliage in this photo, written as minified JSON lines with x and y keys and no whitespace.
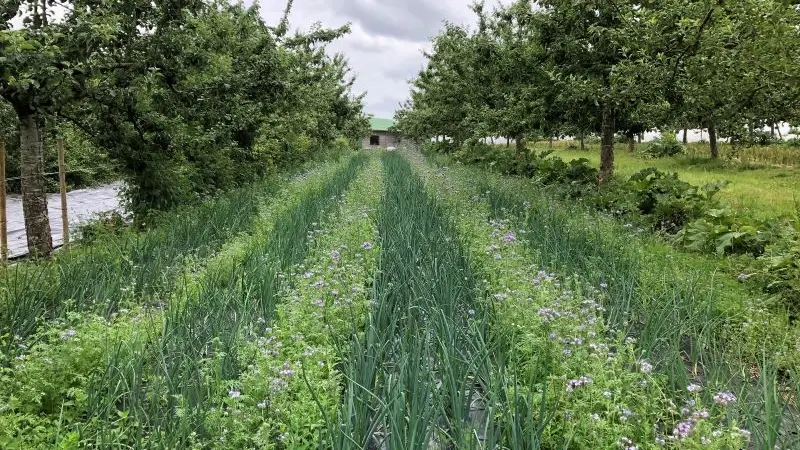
{"x":573,"y":67}
{"x":778,"y":269}
{"x":665,"y":146}
{"x":213,"y":100}
{"x":723,"y":232}
{"x":668,"y":201}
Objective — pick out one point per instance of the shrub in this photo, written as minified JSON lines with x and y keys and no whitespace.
{"x":722,"y":232}
{"x":665,"y":146}
{"x":670,"y":202}
{"x":778,"y":269}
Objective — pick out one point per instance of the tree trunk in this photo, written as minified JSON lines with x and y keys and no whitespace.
{"x":492,"y":140}
{"x":508,"y":142}
{"x":607,"y":144}
{"x":712,"y":139}
{"x":631,"y":143}
{"x":583,"y":145}
{"x":685,"y":135}
{"x":772,"y":130}
{"x":520,"y":147}
{"x":640,"y":137}
{"x":34,"y":197}
{"x":780,"y":135}
{"x":551,"y":142}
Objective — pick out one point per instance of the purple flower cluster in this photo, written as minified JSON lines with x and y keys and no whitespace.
{"x":724,"y":398}
{"x":694,"y":388}
{"x":509,"y":237}
{"x":684,"y":428}
{"x":574,"y":384}
{"x":548,"y":314}
{"x":627,"y":444}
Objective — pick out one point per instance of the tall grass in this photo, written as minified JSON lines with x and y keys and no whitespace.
{"x":124,"y":269}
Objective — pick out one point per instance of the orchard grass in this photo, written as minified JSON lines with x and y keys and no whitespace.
{"x":141,"y":378}
{"x":757,"y":187}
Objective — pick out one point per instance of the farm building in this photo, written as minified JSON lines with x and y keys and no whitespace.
{"x":380,"y":136}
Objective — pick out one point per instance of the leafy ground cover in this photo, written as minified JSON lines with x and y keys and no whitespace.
{"x":291,"y":388}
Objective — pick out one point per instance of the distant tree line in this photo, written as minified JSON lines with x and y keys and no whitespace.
{"x":533,"y":70}
{"x":184,"y":98}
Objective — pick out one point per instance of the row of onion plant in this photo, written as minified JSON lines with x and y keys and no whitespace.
{"x":147,"y":378}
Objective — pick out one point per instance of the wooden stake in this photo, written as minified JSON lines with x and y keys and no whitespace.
{"x":62,"y":181}
{"x":3,"y":220}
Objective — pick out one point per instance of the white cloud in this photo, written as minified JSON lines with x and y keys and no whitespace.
{"x":386,"y":42}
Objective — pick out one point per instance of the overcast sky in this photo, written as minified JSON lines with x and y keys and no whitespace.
{"x":385,"y":44}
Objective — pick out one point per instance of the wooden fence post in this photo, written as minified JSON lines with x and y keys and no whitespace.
{"x":3,"y":219}
{"x":62,"y":181}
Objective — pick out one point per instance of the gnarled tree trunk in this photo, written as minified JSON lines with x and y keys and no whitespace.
{"x":712,"y":139}
{"x":607,"y":144}
{"x":631,"y":143}
{"x":520,"y":147}
{"x":34,"y":197}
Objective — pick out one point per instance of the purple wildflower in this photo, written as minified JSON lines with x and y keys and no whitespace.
{"x":694,"y":388}
{"x":684,"y":428}
{"x":548,"y":314}
{"x":509,"y":237}
{"x":68,"y":334}
{"x":574,"y":384}
{"x":366,"y":246}
{"x":724,"y":398}
{"x":335,"y":255}
{"x":627,"y":444}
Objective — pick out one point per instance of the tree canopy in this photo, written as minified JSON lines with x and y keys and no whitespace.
{"x":187,"y":97}
{"x":568,"y":67}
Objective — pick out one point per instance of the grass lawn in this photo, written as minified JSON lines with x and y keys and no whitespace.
{"x":762,"y":190}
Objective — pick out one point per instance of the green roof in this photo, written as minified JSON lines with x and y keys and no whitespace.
{"x":380,"y":124}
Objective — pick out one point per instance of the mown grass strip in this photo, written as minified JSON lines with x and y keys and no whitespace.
{"x":410,"y":378}
{"x":291,"y":387}
{"x":135,"y":381}
{"x":562,"y":378}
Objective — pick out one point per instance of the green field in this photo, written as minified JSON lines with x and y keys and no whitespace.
{"x":765,"y":190}
{"x":385,"y":302}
